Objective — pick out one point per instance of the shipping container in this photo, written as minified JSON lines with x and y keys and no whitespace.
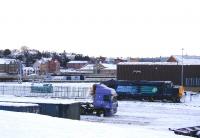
{"x":19,"y":107}
{"x":71,"y":111}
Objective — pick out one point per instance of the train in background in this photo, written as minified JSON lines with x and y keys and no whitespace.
{"x":147,"y":90}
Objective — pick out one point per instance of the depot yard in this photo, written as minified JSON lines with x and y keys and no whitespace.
{"x":155,"y":115}
{"x":159,"y":116}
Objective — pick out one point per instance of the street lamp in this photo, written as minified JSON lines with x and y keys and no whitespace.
{"x":19,"y":71}
{"x":182,"y":69}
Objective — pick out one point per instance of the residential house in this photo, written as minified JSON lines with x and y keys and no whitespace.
{"x":46,"y":66}
{"x":40,"y":66}
{"x":8,"y":69}
{"x":76,"y":64}
{"x":54,"y":66}
{"x":28,"y":71}
{"x":9,"y":66}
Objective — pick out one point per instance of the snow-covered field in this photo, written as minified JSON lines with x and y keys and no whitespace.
{"x":155,"y":115}
{"x":134,"y":119}
{"x":26,"y":125}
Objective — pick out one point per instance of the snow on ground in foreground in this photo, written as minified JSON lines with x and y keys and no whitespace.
{"x":27,"y":125}
{"x":155,"y":115}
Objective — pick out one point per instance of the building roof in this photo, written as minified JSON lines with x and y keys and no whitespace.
{"x":6,"y":61}
{"x":148,"y":63}
{"x":44,"y":60}
{"x":189,"y":60}
{"x":88,"y":67}
{"x":104,"y":66}
{"x":28,"y":68}
{"x":110,"y":66}
{"x":78,"y":62}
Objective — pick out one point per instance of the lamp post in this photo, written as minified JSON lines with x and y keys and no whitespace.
{"x":182,"y":69}
{"x":19,"y":72}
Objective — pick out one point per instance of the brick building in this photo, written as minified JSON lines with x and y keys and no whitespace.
{"x":164,"y":71}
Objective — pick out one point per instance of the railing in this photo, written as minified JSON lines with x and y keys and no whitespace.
{"x":80,"y":92}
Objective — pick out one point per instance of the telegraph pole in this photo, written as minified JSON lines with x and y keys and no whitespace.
{"x":20,"y":71}
{"x":182,"y":69}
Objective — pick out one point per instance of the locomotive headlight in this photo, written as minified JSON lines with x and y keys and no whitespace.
{"x":181,"y":91}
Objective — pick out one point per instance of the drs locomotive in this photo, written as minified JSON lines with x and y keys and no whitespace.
{"x":147,"y":90}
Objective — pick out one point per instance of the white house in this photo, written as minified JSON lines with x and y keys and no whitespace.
{"x":28,"y":71}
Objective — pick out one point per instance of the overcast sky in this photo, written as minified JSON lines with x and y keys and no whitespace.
{"x":115,"y":28}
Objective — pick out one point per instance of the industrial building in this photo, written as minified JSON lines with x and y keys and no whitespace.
{"x":176,"y":71}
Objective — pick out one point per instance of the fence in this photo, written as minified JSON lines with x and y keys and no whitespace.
{"x":71,"y":92}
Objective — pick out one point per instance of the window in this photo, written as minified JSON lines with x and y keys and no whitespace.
{"x":192,"y":81}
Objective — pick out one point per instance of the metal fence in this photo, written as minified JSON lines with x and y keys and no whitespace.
{"x":69,"y":92}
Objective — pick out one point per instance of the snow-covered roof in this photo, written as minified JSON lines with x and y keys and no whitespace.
{"x":148,"y":63}
{"x":28,"y":68}
{"x":105,"y":65}
{"x":77,"y":62}
{"x":44,"y":60}
{"x":6,"y":61}
{"x":73,"y":71}
{"x":110,"y":66}
{"x":160,"y":63}
{"x":17,"y":104}
{"x":88,"y":67}
{"x":191,"y":60}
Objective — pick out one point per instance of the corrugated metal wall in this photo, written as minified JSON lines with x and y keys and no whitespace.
{"x":159,"y":72}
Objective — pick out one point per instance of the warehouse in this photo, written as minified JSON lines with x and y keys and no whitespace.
{"x":165,"y":71}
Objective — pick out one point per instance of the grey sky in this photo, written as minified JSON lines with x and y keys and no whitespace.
{"x":136,"y":28}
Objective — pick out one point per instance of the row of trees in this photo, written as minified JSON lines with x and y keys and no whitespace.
{"x":28,"y":57}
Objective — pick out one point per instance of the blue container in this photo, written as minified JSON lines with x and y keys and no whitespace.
{"x":19,"y":107}
{"x":71,"y":111}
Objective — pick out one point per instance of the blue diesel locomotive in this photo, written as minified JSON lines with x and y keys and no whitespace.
{"x":147,"y":90}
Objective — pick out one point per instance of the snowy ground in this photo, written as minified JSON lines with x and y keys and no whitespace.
{"x":134,"y":119}
{"x":26,"y":125}
{"x":155,"y":115}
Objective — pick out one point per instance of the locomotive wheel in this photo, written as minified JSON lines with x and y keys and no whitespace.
{"x":151,"y":99}
{"x":176,"y":100}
